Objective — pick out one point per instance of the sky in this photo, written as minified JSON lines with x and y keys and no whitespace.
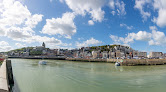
{"x":68,"y":24}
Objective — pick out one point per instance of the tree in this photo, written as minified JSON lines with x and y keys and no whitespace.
{"x":35,"y":52}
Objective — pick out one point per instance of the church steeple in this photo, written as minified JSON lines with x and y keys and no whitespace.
{"x":43,"y":44}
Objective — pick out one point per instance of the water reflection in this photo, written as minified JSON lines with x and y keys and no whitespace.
{"x":67,"y":76}
{"x":119,"y":68}
{"x":15,"y":87}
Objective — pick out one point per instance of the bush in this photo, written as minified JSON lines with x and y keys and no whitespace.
{"x":35,"y":53}
{"x":0,"y":62}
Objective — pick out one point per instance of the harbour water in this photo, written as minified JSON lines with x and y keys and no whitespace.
{"x":68,"y":76}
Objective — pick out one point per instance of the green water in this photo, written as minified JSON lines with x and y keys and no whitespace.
{"x":67,"y":76}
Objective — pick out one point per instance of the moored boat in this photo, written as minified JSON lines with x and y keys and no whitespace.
{"x":42,"y":62}
{"x":117,"y":64}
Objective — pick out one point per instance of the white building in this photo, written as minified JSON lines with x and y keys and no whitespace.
{"x":155,"y":54}
{"x":104,"y":54}
{"x":142,"y":54}
{"x":111,"y":54}
{"x":95,"y":54}
{"x":135,"y":53}
{"x":118,"y":54}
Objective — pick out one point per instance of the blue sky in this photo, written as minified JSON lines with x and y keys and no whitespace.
{"x":140,"y":24}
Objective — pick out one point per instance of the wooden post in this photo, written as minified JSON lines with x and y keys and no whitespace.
{"x":10,"y":72}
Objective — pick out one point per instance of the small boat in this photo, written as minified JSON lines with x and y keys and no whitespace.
{"x":42,"y":62}
{"x":117,"y":64}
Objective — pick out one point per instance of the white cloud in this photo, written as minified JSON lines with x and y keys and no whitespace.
{"x":13,"y":13}
{"x":153,"y":28}
{"x":34,"y":20}
{"x":120,"y":7}
{"x":117,"y":5}
{"x":113,"y":13}
{"x":37,"y":38}
{"x":19,"y":45}
{"x":90,"y":22}
{"x":160,"y":6}
{"x":158,"y":38}
{"x":16,"y":21}
{"x":63,"y":26}
{"x":89,"y":42}
{"x":4,"y":46}
{"x":161,"y":20}
{"x":81,"y":38}
{"x":139,"y":4}
{"x":92,"y":7}
{"x":141,"y":36}
{"x":116,"y":39}
{"x":153,"y":38}
{"x":112,"y":4}
{"x":3,"y":43}
{"x":126,"y":26}
{"x":2,"y":31}
{"x":18,"y":34}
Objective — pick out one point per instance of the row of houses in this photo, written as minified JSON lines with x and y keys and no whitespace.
{"x":157,"y":55}
{"x":109,"y":51}
{"x":118,"y":54}
{"x":38,"y":50}
{"x":117,"y":51}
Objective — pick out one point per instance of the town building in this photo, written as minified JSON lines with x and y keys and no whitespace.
{"x":142,"y":54}
{"x":105,"y":54}
{"x":135,"y":53}
{"x":39,"y":48}
{"x":118,"y":54}
{"x":155,"y":54}
{"x":111,"y":55}
{"x":95,"y":54}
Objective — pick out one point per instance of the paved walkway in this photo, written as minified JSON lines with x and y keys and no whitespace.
{"x":3,"y":78}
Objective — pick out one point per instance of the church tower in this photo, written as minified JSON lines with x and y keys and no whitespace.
{"x":43,"y":44}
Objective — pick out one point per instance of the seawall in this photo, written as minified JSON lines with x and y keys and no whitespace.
{"x":124,"y":62}
{"x":6,"y":76}
{"x":136,"y":62}
{"x":86,"y":60}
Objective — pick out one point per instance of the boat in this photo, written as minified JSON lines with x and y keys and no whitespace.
{"x":117,"y":64}
{"x":42,"y":62}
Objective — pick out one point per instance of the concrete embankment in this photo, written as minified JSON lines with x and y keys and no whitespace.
{"x":94,"y":60}
{"x":87,"y":60}
{"x":124,"y":62}
{"x":135,"y":62}
{"x":6,"y":76}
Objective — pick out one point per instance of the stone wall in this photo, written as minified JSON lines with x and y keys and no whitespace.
{"x":126,"y":62}
{"x":134,"y":62}
{"x":6,"y":76}
{"x":3,"y":78}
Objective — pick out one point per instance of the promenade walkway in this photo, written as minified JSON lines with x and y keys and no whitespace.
{"x":3,"y":78}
